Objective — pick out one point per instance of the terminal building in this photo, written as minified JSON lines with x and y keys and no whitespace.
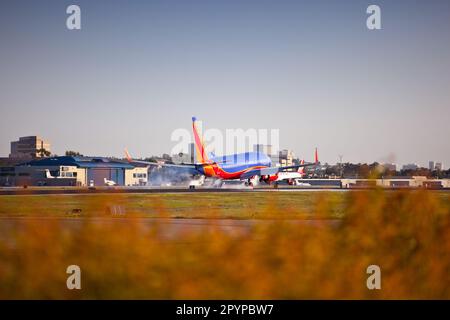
{"x":74,"y":171}
{"x":397,"y":182}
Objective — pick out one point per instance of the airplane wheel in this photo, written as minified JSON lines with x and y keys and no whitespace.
{"x":191,"y":187}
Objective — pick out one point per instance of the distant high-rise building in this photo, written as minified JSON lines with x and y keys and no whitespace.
{"x":30,"y":147}
{"x":431,"y":165}
{"x":286,"y":157}
{"x":192,"y":153}
{"x":269,"y":151}
{"x":438,"y":166}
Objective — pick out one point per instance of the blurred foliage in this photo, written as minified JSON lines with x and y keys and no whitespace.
{"x":406,"y":233}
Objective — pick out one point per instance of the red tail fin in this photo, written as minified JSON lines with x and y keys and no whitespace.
{"x":316,"y":156}
{"x":301,"y":170}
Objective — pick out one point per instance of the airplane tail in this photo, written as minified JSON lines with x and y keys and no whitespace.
{"x":316,"y":157}
{"x":199,"y":145}
{"x":47,"y":174}
{"x":127,"y":155}
{"x":301,"y":170}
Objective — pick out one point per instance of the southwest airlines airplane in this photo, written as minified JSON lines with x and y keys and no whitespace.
{"x":252,"y":167}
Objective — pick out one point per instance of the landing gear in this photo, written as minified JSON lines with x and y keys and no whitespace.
{"x":254,"y":181}
{"x":196,"y":182}
{"x":265,"y":179}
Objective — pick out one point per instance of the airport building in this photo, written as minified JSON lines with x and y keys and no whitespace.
{"x":30,"y":147}
{"x":286,"y":158}
{"x":397,"y":182}
{"x":435,"y":166}
{"x":76,"y":171}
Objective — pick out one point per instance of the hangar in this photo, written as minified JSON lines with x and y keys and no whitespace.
{"x":81,"y":171}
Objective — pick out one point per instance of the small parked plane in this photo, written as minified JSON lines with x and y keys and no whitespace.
{"x":109,"y":183}
{"x":48,"y":175}
{"x":252,"y":167}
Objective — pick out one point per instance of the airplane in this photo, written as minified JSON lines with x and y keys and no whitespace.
{"x":251,"y":167}
{"x":109,"y":183}
{"x":48,"y":175}
{"x":293,"y":176}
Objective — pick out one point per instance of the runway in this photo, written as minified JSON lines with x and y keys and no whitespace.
{"x":178,"y":190}
{"x":100,"y":190}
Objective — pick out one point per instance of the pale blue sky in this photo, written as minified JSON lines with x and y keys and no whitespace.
{"x":140,"y":69}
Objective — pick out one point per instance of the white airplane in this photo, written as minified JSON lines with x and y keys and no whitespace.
{"x":293,"y":176}
{"x":109,"y":183}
